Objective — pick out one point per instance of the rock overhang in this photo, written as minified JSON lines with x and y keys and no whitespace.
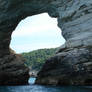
{"x":74,"y":19}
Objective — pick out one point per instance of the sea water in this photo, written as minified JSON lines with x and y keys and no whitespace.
{"x":40,"y":88}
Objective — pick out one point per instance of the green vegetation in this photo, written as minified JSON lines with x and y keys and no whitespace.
{"x":37,"y":58}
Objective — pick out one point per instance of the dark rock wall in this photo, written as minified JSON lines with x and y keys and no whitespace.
{"x":70,"y":67}
{"x":74,"y":18}
{"x":12,"y":69}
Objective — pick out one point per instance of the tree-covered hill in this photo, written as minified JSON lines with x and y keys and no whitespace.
{"x":36,"y":59}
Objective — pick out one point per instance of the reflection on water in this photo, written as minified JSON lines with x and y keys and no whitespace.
{"x":40,"y":88}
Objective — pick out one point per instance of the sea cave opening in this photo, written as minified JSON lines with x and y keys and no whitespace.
{"x":36,"y":38}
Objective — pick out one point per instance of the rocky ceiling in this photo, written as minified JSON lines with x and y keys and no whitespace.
{"x":74,"y":18}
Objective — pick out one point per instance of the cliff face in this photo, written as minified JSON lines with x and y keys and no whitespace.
{"x":74,"y":18}
{"x":12,"y":70}
{"x":71,"y":67}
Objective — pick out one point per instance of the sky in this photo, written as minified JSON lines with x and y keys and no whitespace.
{"x":36,"y":32}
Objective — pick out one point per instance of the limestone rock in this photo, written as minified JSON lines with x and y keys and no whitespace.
{"x":71,"y":67}
{"x":74,"y":19}
{"x":13,"y":71}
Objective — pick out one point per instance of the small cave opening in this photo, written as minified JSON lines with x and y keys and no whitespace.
{"x":36,"y":38}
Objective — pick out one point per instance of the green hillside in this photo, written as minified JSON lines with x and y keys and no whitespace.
{"x":36,"y":59}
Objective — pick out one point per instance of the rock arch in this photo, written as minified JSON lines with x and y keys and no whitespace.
{"x":74,"y":18}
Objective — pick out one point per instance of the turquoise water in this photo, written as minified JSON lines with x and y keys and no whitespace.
{"x":31,"y":80}
{"x":40,"y":88}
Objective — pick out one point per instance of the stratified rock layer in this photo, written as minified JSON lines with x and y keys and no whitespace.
{"x":71,"y":67}
{"x":74,"y":19}
{"x":13,"y":71}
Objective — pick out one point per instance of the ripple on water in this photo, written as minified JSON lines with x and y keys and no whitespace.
{"x":40,"y":88}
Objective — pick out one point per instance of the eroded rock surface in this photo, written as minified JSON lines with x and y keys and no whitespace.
{"x":12,"y":70}
{"x":74,"y":18}
{"x":71,"y":67}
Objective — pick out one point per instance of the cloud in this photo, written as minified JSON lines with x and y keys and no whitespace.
{"x":36,"y":32}
{"x":36,"y":25}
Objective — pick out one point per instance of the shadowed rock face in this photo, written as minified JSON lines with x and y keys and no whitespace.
{"x":12,"y":70}
{"x":74,"y":18}
{"x":71,"y":67}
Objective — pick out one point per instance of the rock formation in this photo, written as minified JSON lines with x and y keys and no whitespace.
{"x":72,"y":64}
{"x":71,"y":67}
{"x":12,"y":70}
